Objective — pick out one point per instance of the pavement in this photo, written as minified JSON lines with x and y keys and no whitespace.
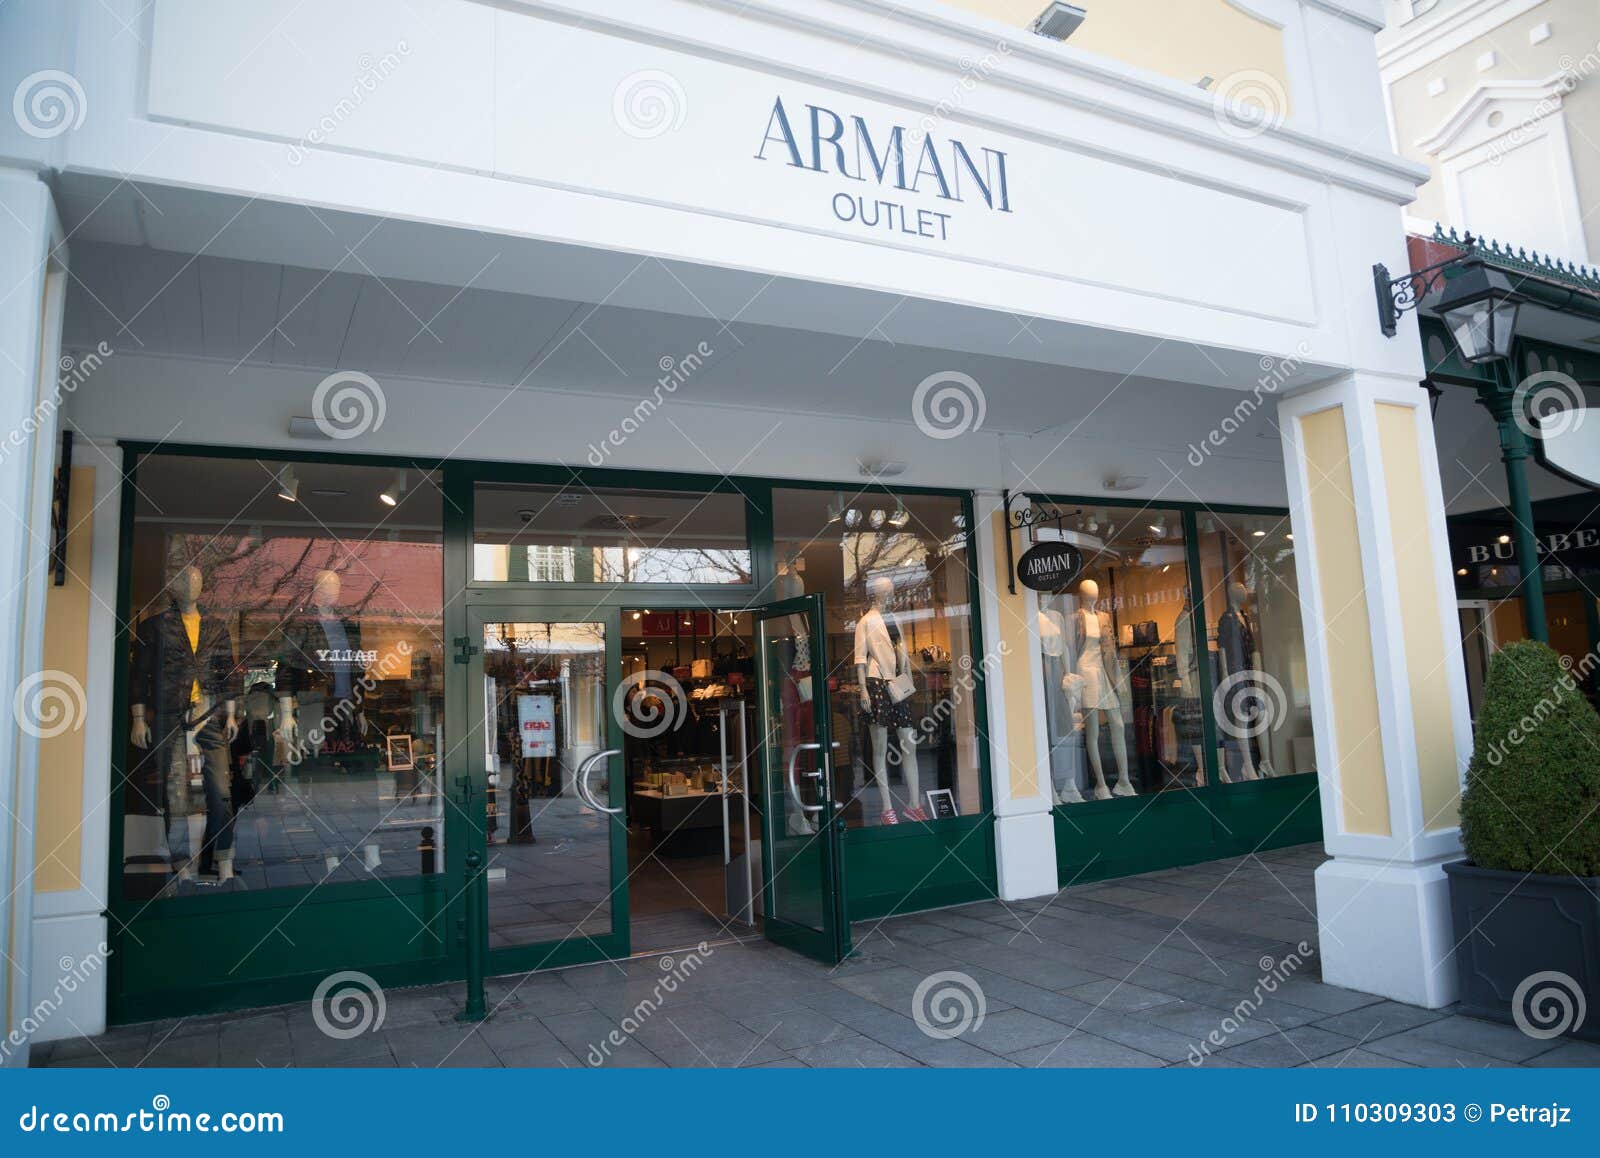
{"x":1209,"y":965}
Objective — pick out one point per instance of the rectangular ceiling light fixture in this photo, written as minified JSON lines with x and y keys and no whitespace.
{"x":1058,"y":21}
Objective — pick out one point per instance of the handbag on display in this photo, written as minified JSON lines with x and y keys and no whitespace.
{"x":700,"y":669}
{"x":901,"y":687}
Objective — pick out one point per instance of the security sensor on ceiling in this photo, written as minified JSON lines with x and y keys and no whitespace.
{"x":1126,"y":482}
{"x":300,"y":427}
{"x":881,"y":468}
{"x":1058,"y":21}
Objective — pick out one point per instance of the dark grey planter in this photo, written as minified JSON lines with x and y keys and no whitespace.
{"x":1511,"y":926}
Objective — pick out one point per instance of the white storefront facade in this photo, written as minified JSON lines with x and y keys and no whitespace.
{"x":909,"y":262}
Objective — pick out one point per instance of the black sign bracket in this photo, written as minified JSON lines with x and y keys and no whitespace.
{"x":1034,"y":512}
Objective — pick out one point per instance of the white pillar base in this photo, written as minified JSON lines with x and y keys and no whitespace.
{"x":69,"y":977}
{"x":1385,"y":929}
{"x":1025,"y":855}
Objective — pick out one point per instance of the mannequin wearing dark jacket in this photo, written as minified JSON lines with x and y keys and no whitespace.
{"x":186,"y":683}
{"x":320,"y":668}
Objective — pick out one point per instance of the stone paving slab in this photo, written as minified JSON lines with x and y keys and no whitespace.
{"x":1166,"y":969}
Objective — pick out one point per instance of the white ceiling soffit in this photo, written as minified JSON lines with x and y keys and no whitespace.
{"x":185,"y":222}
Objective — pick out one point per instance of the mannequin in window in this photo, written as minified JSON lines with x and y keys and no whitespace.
{"x":881,"y":657}
{"x":799,"y":722}
{"x":1099,"y":671}
{"x":1236,"y":647}
{"x":1061,"y":686}
{"x":319,"y":668}
{"x":186,"y":686}
{"x":1188,"y":720}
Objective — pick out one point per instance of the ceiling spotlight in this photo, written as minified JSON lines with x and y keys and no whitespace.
{"x":1461,"y":571}
{"x":288,"y":484}
{"x":1158,"y":529}
{"x":396,"y":491}
{"x":636,"y":615}
{"x":1258,"y":534}
{"x":875,"y":520}
{"x":852,"y":518}
{"x":1503,"y":540}
{"x":1058,"y":21}
{"x":900,"y":518}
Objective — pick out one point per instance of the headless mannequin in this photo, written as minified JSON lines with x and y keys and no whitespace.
{"x":184,"y":591}
{"x":1189,"y":673}
{"x":1099,"y":669}
{"x":789,"y":585}
{"x":878,"y":658}
{"x":326,"y":591}
{"x":1052,"y":643}
{"x":1236,"y":644}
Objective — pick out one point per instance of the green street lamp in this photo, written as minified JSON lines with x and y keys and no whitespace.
{"x":1479,"y":306}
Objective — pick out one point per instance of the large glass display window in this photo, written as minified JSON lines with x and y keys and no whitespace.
{"x":285,"y":676}
{"x":1261,"y":698}
{"x":1123,"y":704}
{"x":894,"y":573}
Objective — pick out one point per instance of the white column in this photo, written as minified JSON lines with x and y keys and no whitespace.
{"x":1388,"y":686}
{"x":1025,"y":841}
{"x":31,"y":296}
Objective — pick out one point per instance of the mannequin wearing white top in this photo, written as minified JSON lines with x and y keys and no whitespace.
{"x":1053,"y":645}
{"x":879,"y":658}
{"x":1099,"y":671}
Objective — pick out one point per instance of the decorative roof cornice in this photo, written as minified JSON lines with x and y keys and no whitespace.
{"x":1520,"y":261}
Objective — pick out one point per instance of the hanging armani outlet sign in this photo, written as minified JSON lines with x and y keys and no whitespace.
{"x":1050,"y":567}
{"x":901,"y":165}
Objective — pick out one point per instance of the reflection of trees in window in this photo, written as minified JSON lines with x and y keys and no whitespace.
{"x":642,"y":564}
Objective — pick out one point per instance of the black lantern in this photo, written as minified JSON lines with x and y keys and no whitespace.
{"x":1479,"y":308}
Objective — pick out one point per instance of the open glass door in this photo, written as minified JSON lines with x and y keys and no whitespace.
{"x":547,"y":785}
{"x":803,"y":889}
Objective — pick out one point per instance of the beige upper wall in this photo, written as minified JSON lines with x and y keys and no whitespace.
{"x":1197,"y":38}
{"x":1418,"y":113}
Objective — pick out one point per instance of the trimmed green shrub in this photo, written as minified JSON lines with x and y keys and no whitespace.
{"x":1532,"y":802}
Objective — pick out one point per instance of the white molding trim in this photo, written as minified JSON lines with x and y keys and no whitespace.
{"x":1551,"y":88}
{"x":950,"y":34}
{"x":1424,"y":41}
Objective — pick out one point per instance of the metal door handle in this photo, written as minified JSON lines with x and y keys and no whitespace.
{"x":580,"y":782}
{"x":794,"y":785}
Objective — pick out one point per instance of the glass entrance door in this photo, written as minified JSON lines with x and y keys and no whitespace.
{"x":803,"y":893}
{"x":545,"y":788}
